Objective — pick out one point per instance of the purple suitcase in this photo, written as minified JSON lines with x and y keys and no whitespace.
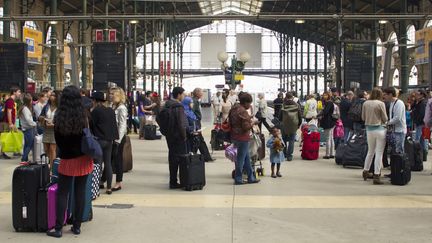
{"x":52,"y":199}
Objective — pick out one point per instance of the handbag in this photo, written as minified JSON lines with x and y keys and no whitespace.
{"x":12,"y":141}
{"x":90,"y":146}
{"x":426,"y":133}
{"x":259,"y":115}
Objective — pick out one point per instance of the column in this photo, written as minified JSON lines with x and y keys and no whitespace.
{"x":107,"y":3}
{"x":84,"y":48}
{"x":6,"y":24}
{"x":403,"y":51}
{"x":293,"y":86}
{"x":280,"y":60}
{"x":145,"y":58}
{"x":301,"y":68}
{"x":325,"y":56}
{"x":53,"y":57}
{"x":308,"y":69}
{"x":296,"y":65}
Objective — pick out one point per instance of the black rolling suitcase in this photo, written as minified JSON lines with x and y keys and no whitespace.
{"x":29,"y":197}
{"x":150,"y":132}
{"x":400,"y":169}
{"x":192,"y":172}
{"x":414,"y":152}
{"x":355,"y":150}
{"x":217,"y":139}
{"x":340,"y":153}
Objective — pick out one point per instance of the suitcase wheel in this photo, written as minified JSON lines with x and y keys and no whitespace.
{"x":260,"y":171}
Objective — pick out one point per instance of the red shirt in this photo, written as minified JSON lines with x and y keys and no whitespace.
{"x":9,"y":105}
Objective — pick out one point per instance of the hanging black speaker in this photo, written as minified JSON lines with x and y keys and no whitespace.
{"x":109,"y":65}
{"x":13,"y":66}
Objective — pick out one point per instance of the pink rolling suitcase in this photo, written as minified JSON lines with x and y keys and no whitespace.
{"x":52,"y":200}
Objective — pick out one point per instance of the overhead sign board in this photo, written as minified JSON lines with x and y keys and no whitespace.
{"x":33,"y":39}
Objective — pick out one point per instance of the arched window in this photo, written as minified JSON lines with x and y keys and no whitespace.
{"x":31,"y":25}
{"x":393,"y":38}
{"x":396,"y":78}
{"x":13,"y":31}
{"x":380,"y":80}
{"x":411,"y":36}
{"x":48,"y":36}
{"x":379,"y":47}
{"x":69,"y":38}
{"x":413,"y":77}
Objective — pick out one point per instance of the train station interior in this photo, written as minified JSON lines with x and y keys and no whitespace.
{"x":263,"y":47}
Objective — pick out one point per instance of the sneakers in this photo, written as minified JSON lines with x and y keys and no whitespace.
{"x":254,"y":182}
{"x":76,"y":231}
{"x":175,"y":186}
{"x":55,"y":233}
{"x":5,"y":156}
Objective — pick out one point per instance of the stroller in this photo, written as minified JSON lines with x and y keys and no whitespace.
{"x":256,"y":148}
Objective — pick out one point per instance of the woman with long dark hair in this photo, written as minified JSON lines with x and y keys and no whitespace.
{"x":75,"y":166}
{"x":47,"y":120}
{"x":328,"y":122}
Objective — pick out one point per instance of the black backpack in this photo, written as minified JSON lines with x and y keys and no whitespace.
{"x":355,"y":111}
{"x":163,"y":120}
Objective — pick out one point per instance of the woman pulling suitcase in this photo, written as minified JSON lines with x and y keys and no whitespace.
{"x":70,"y":120}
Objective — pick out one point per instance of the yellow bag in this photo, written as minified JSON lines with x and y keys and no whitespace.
{"x":11,"y":142}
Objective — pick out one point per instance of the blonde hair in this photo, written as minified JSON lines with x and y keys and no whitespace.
{"x":119,"y":95}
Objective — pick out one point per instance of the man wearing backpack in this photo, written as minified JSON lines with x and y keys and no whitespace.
{"x":355,"y":111}
{"x":173,"y":123}
{"x":291,"y":120}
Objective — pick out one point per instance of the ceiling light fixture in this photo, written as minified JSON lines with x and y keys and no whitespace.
{"x":299,"y":21}
{"x":383,"y":21}
{"x":53,"y":22}
{"x":133,"y":22}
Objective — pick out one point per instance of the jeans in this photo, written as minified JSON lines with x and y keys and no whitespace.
{"x":289,"y":144}
{"x":376,"y":146}
{"x":117,"y":157}
{"x":142,"y":122}
{"x":107,"y":170}
{"x":243,"y":162}
{"x":175,"y":148}
{"x":204,"y":149}
{"x":347,"y":133}
{"x":64,"y":186}
{"x":330,"y":148}
{"x":29,"y":136}
{"x":400,"y":142}
{"x":358,"y":126}
{"x":263,"y":121}
{"x":419,"y":137}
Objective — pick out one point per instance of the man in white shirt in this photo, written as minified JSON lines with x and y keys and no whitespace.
{"x":38,"y":107}
{"x":232,"y":97}
{"x":397,"y":118}
{"x":217,"y":106}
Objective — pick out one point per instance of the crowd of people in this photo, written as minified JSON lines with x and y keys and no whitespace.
{"x":60,"y":117}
